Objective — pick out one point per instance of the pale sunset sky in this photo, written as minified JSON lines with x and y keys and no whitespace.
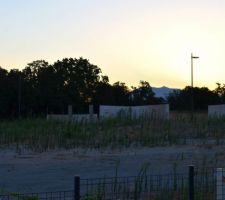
{"x":130,"y":40}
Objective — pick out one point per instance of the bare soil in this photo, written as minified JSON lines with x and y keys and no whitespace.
{"x":26,"y":171}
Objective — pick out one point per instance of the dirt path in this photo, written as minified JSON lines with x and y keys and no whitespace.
{"x":54,"y":170}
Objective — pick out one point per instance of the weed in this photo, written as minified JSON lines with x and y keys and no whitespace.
{"x":122,"y":132}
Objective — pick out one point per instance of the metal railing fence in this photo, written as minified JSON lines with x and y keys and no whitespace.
{"x":197,"y":184}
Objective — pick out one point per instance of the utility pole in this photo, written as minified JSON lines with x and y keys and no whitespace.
{"x":192,"y":86}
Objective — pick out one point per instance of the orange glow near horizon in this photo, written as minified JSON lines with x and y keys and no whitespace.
{"x":130,"y":40}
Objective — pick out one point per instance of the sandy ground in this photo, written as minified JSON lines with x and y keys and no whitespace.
{"x":54,"y":170}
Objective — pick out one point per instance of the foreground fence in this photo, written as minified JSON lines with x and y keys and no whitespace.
{"x":61,"y":195}
{"x":148,"y":187}
{"x":204,"y":184}
{"x":199,"y":185}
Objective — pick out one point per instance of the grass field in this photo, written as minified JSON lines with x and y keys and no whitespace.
{"x":42,"y":135}
{"x":73,"y":148}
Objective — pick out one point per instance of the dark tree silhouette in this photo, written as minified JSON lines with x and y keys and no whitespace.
{"x":181,"y":99}
{"x":4,"y":93}
{"x":77,"y":81}
{"x":220,"y":91}
{"x":42,"y":88}
{"x":104,"y":92}
{"x":120,"y":93}
{"x":144,"y":95}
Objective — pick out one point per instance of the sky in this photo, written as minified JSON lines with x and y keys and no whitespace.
{"x":130,"y":40}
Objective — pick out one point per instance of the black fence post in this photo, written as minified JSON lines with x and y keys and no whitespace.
{"x":77,"y":188}
{"x":191,"y":182}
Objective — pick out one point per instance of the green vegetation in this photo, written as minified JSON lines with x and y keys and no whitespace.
{"x":41,"y":135}
{"x":17,"y":196}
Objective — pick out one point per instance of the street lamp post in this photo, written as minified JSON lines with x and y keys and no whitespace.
{"x":192,"y":85}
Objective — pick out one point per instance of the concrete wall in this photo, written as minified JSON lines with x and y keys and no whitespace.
{"x":154,"y":111}
{"x":112,"y":111}
{"x":73,"y":118}
{"x":216,"y":110}
{"x":157,"y":111}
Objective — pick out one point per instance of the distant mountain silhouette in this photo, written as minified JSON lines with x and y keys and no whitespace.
{"x":163,"y":91}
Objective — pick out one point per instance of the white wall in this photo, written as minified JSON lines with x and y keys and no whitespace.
{"x":155,"y":111}
{"x":158,"y":111}
{"x":216,"y":110}
{"x":74,"y":118}
{"x":112,"y":111}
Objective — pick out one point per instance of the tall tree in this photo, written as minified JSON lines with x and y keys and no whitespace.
{"x":77,"y":81}
{"x":35,"y":90}
{"x":120,"y":93}
{"x":181,"y":99}
{"x":220,"y":91}
{"x":4,"y":89}
{"x":104,"y":92}
{"x":143,"y":95}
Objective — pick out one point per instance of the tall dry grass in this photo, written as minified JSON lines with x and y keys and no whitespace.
{"x":122,"y":132}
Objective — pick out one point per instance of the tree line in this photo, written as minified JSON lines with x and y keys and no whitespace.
{"x":202,"y":97}
{"x":42,"y":88}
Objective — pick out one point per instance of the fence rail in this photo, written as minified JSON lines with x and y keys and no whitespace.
{"x":144,"y":187}
{"x":60,"y":195}
{"x":198,"y":184}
